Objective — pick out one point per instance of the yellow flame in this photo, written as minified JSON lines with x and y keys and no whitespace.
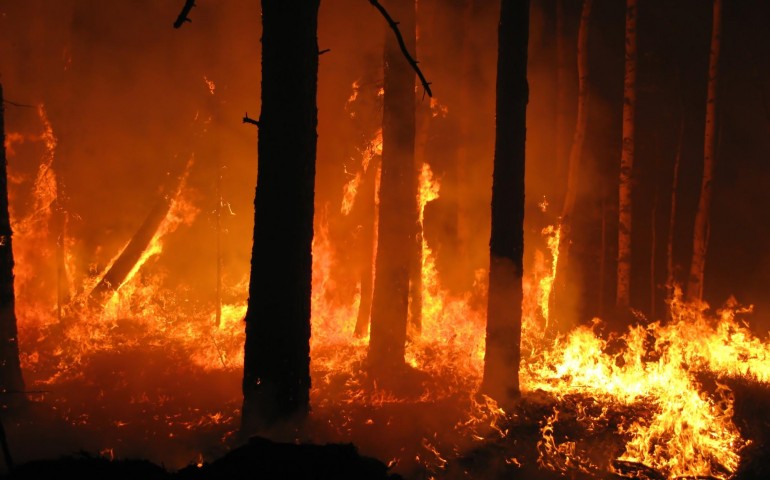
{"x":350,"y":189}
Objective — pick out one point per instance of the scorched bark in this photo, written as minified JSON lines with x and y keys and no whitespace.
{"x":398,"y":202}
{"x":506,"y":245}
{"x":276,"y":377}
{"x":10,"y":369}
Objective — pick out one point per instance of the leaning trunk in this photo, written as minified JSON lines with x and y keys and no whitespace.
{"x":132,"y":253}
{"x":398,"y":202}
{"x":702,"y":223}
{"x":627,"y":162}
{"x":276,"y":370}
{"x":506,"y":245}
{"x":10,"y":369}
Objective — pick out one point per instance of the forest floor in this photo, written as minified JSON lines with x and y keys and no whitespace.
{"x":83,"y":429}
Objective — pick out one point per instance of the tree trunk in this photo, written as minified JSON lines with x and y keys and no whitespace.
{"x":626,"y":162}
{"x":573,"y":169}
{"x":670,"y":275}
{"x":10,"y":368}
{"x":132,"y":253}
{"x":398,"y":202}
{"x":702,"y":222}
{"x":562,"y":72}
{"x":369,"y":213}
{"x":506,"y":245}
{"x":415,"y":271}
{"x":276,"y":370}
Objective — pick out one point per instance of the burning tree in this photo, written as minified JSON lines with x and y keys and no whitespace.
{"x":10,"y":369}
{"x":506,"y":245}
{"x":276,"y":376}
{"x":398,"y":203}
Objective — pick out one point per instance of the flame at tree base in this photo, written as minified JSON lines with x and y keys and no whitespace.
{"x":153,"y":373}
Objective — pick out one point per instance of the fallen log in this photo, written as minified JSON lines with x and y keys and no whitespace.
{"x":118,"y":272}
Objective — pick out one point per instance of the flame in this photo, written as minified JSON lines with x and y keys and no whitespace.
{"x":687,"y":432}
{"x":685,"y":427}
{"x":350,"y":190}
{"x":210,"y":84}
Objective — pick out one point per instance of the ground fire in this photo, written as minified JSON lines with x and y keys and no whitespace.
{"x":605,"y":318}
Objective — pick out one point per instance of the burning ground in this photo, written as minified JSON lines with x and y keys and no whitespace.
{"x":150,"y":374}
{"x":131,"y":349}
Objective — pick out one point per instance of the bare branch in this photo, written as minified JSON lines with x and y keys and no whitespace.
{"x":24,"y":105}
{"x":183,"y":15}
{"x":248,"y":119}
{"x":325,"y":50}
{"x":394,"y":26}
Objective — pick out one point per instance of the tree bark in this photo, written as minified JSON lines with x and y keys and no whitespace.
{"x":562,"y":93}
{"x":369,"y":212}
{"x":506,"y":245}
{"x":276,"y":370}
{"x":702,"y":221}
{"x":398,"y":202}
{"x":627,"y":162}
{"x":670,"y":275}
{"x":575,"y":154}
{"x":10,"y":369}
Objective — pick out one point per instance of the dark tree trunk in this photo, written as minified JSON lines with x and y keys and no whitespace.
{"x":703,"y":215}
{"x":506,"y":245}
{"x":10,"y":369}
{"x":276,"y":370}
{"x":132,"y":253}
{"x":559,"y":293}
{"x":398,"y":203}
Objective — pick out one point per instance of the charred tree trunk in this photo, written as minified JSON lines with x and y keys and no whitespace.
{"x":132,"y":253}
{"x":575,"y":154}
{"x":670,"y":275}
{"x":506,"y":244}
{"x":398,"y":202}
{"x":702,"y":221}
{"x":415,"y":272}
{"x":368,"y":204}
{"x":10,"y":368}
{"x":276,"y":370}
{"x":627,"y":162}
{"x":562,"y":93}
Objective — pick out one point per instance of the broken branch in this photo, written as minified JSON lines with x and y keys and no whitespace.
{"x":248,"y":119}
{"x":394,"y":26}
{"x":183,"y":15}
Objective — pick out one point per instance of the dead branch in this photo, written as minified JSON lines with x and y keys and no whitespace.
{"x":248,"y":119}
{"x":183,"y":15}
{"x":24,"y":105}
{"x":394,"y":26}
{"x":325,"y":50}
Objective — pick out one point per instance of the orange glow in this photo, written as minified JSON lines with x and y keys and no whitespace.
{"x":350,"y":190}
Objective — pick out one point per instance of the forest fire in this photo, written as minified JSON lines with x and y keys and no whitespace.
{"x":653,"y":366}
{"x":546,"y":338}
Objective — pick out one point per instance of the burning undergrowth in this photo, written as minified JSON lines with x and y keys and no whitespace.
{"x":145,"y":369}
